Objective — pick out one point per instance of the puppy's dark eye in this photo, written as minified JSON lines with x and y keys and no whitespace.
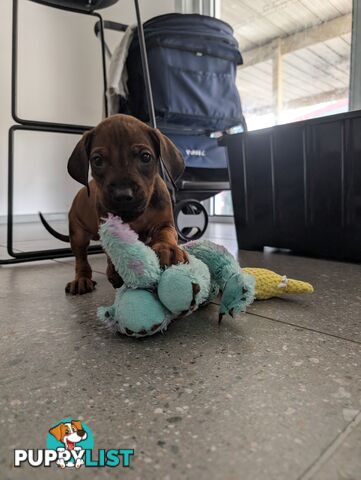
{"x":97,"y":161}
{"x":146,"y":157}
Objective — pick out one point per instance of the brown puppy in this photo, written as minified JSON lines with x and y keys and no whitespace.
{"x":123,"y":154}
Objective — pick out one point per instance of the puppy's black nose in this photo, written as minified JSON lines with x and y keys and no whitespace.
{"x":121,"y":194}
{"x":81,"y":433}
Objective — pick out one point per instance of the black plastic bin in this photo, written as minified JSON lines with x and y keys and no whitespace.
{"x":298,"y":186}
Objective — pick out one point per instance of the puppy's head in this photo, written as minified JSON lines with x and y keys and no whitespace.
{"x":123,"y":154}
{"x":69,"y":433}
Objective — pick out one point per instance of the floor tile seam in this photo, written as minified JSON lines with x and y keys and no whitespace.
{"x":309,"y":329}
{"x":331,"y":449}
{"x":313,"y":330}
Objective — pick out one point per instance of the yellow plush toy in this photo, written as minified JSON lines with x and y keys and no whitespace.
{"x":269,"y":284}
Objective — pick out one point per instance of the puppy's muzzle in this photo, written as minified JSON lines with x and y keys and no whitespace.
{"x":126,"y":202}
{"x":121,"y":195}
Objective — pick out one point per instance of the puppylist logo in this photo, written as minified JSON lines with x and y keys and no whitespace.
{"x":70,"y":443}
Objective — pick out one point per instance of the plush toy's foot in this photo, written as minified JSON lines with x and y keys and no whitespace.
{"x":106,"y":315}
{"x":221,"y":315}
{"x":135,"y":313}
{"x":238,"y":293}
{"x":182,"y":288}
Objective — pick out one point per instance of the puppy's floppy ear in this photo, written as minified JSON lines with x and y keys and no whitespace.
{"x":78,"y":163}
{"x":77,"y":424}
{"x":58,"y":432}
{"x":169,"y":153}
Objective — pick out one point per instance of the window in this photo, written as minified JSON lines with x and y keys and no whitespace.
{"x":220,"y":204}
{"x":296,"y":58}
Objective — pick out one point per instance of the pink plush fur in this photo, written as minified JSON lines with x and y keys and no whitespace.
{"x":137,"y":266}
{"x":120,"y":229}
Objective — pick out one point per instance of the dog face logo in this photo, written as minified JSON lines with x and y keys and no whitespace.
{"x":67,"y":434}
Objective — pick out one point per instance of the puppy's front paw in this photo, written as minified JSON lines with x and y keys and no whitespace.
{"x":169,"y":254}
{"x":80,"y":286}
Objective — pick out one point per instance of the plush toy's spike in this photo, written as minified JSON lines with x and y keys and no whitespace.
{"x":137,"y":264}
{"x":220,"y":262}
{"x":270,"y":284}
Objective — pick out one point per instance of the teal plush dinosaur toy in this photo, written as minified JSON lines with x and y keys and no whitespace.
{"x":152,"y":297}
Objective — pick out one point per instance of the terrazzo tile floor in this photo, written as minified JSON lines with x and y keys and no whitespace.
{"x":270,"y":395}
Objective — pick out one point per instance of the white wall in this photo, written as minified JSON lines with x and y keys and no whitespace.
{"x":59,"y":80}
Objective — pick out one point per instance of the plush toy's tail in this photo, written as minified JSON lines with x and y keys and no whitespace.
{"x":270,"y":284}
{"x":297,"y":286}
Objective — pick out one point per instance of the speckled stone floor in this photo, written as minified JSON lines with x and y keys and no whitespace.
{"x":274,"y":394}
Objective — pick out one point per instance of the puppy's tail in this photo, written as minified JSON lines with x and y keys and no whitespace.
{"x":50,"y":229}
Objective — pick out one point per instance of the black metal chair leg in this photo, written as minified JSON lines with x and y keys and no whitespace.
{"x":19,"y":257}
{"x":35,"y":125}
{"x":14,"y":69}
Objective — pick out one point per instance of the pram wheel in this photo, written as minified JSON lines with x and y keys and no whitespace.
{"x":191,"y":219}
